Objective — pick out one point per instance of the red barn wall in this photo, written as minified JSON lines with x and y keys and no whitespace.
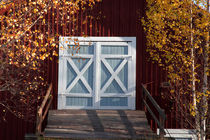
{"x":117,"y":18}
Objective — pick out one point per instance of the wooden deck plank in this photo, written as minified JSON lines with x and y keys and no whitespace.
{"x":97,"y":124}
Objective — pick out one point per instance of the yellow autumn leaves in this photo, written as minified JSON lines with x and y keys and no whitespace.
{"x":21,"y":29}
{"x":173,"y":29}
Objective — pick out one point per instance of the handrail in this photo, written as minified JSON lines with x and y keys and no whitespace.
{"x":40,"y":115}
{"x":162,"y":116}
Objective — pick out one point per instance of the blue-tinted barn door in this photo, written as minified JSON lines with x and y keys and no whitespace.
{"x":99,"y":74}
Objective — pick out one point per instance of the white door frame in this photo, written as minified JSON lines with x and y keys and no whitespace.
{"x":97,"y":58}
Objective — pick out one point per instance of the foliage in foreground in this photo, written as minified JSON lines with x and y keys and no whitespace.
{"x":28,"y":40}
{"x":177,"y":33}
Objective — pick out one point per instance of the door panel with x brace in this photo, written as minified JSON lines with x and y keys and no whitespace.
{"x":101,"y":75}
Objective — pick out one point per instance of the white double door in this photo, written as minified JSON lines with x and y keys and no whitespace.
{"x":99,"y":73}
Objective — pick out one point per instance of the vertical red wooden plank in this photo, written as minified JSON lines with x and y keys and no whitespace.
{"x":1,"y":124}
{"x":163,"y":79}
{"x":21,"y":132}
{"x":157,"y":87}
{"x":170,"y":120}
{"x":63,"y":23}
{"x":116,"y":21}
{"x":86,"y":24}
{"x":106,"y":16}
{"x":153,"y":86}
{"x":99,"y":20}
{"x":159,"y":79}
{"x":127,"y":20}
{"x":176,"y":115}
{"x":48,"y":59}
{"x":91,"y":27}
{"x":167,"y":122}
{"x":99,"y":30}
{"x":3,"y":136}
{"x":109,"y":17}
{"x":73,"y":24}
{"x":131,"y":18}
{"x":70,"y":24}
{"x":96,"y":29}
{"x":45,"y":36}
{"x":184,"y":113}
{"x":103,"y":19}
{"x":140,"y":65}
{"x":76,"y":25}
{"x":13,"y":123}
{"x":10,"y":127}
{"x":18,"y":128}
{"x":55,"y":63}
{"x":123,"y":18}
{"x":52,"y":63}
{"x":57,"y":20}
{"x":81,"y":23}
{"x":151,"y":82}
{"x":56,"y":32}
{"x":103,"y":30}
{"x":181,"y":113}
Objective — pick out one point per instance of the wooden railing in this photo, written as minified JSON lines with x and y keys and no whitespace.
{"x":41,"y":113}
{"x":162,"y":116}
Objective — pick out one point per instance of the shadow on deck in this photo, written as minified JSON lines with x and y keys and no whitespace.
{"x":98,"y":124}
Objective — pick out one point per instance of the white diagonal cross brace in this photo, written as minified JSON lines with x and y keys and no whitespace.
{"x":114,"y":75}
{"x":79,"y":75}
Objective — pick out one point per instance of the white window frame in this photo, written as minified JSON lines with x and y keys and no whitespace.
{"x":131,"y":93}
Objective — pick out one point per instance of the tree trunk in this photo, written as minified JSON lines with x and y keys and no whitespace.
{"x":195,"y":109}
{"x":204,"y":101}
{"x":205,"y":84}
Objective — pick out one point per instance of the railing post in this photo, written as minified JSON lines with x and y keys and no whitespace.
{"x":38,"y":122}
{"x":40,"y":110}
{"x":162,"y":123}
{"x":143,"y":95}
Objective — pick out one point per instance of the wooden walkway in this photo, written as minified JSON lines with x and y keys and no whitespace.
{"x":98,"y":124}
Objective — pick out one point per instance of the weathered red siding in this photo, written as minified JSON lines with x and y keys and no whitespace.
{"x":118,"y":18}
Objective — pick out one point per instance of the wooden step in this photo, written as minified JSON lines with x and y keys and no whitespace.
{"x":110,"y":124}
